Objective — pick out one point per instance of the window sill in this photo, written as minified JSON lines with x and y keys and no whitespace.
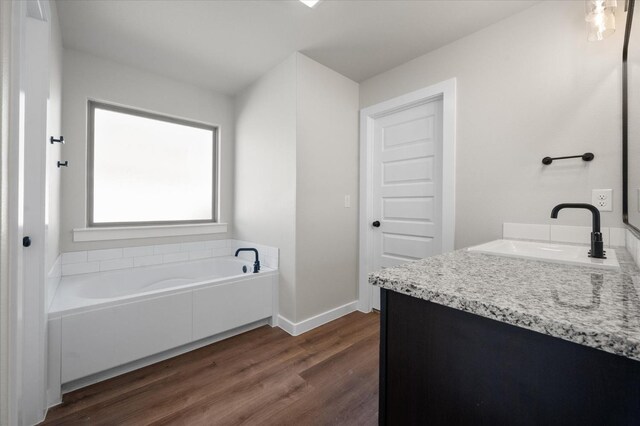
{"x":133,"y":232}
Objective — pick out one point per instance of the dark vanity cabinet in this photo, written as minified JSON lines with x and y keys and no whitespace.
{"x":443,"y":366}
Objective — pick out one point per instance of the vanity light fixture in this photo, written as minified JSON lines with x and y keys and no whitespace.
{"x":601,"y":18}
{"x":310,"y":3}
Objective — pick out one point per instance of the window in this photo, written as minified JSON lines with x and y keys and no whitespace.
{"x":146,"y":169}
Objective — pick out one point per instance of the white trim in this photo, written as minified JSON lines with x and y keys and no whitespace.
{"x":15,"y":206}
{"x":298,"y":328}
{"x":286,"y":325}
{"x":27,"y":322}
{"x":35,"y":83}
{"x":5,"y":305}
{"x":131,"y":232}
{"x":446,"y":90}
{"x":275,"y":301}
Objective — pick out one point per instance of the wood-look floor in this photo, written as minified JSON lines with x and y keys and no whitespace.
{"x":328,"y":376}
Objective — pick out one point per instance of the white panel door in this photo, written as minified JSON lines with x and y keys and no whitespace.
{"x":407,"y":186}
{"x":31,"y":190}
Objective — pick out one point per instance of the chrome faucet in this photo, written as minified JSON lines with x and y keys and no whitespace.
{"x":597,"y":247}
{"x":256,"y":264}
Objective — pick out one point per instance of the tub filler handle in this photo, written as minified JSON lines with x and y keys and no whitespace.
{"x":256,"y":264}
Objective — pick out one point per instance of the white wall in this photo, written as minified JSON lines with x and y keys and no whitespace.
{"x":296,"y":151}
{"x":265,"y":172}
{"x":327,"y":171}
{"x":54,"y":128}
{"x":89,"y":77}
{"x":527,"y":87}
{"x":53,"y":178}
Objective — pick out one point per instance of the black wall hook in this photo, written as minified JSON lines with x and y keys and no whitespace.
{"x":61,"y":164}
{"x":587,"y":156}
{"x":54,"y":140}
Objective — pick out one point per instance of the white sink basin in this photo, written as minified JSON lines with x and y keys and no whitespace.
{"x":558,"y":253}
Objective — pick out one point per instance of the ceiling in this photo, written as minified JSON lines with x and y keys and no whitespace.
{"x":226,"y":45}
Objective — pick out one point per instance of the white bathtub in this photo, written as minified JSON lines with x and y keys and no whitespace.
{"x":101,"y":321}
{"x":77,"y":293}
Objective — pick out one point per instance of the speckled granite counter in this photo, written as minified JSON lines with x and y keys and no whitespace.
{"x":592,"y":307}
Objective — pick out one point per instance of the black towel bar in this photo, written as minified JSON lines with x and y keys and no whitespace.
{"x":587,"y":156}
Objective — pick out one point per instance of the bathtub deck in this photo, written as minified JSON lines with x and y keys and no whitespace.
{"x":328,"y":376}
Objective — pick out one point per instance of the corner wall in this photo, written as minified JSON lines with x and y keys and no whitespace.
{"x":265,"y":171}
{"x":327,"y":171}
{"x":54,"y":128}
{"x":296,"y":159}
{"x":89,"y":77}
{"x":529,"y":86}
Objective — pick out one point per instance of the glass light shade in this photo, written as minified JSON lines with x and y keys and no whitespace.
{"x":310,"y":3}
{"x":601,"y":18}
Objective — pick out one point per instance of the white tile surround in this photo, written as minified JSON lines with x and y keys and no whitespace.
{"x":83,"y":262}
{"x":612,"y":237}
{"x":53,"y":280}
{"x":633,"y":246}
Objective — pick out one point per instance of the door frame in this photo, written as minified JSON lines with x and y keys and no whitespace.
{"x":5,"y":86}
{"x":26,"y":318}
{"x":446,"y":90}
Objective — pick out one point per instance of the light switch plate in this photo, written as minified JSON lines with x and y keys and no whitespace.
{"x":602,"y":199}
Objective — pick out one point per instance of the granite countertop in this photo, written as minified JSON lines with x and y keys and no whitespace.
{"x":594,"y":307}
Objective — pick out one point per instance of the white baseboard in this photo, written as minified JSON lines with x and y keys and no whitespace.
{"x":361,"y":305}
{"x":287,"y":325}
{"x":298,"y":328}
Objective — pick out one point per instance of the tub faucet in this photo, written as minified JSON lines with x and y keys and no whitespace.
{"x":597,"y":247}
{"x":256,"y":264}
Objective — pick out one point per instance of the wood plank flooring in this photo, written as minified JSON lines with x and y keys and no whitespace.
{"x":328,"y":376}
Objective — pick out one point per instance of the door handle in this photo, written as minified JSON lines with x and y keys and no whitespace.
{"x":376,"y":224}
{"x":26,"y":241}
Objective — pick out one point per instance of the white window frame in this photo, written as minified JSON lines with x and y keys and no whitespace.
{"x":152,"y":226}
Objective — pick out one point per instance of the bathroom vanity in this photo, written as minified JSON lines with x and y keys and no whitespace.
{"x":473,"y":338}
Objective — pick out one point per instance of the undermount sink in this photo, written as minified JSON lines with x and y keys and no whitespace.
{"x":557,"y":253}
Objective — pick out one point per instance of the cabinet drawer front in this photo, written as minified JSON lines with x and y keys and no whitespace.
{"x":105,"y":338}
{"x":227,"y":306}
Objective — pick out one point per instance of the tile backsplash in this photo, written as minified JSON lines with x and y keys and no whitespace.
{"x":83,"y":262}
{"x":53,"y":280}
{"x":612,"y":237}
{"x":633,"y":246}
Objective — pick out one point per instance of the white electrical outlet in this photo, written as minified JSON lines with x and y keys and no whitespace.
{"x":347,"y":201}
{"x":602,"y":199}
